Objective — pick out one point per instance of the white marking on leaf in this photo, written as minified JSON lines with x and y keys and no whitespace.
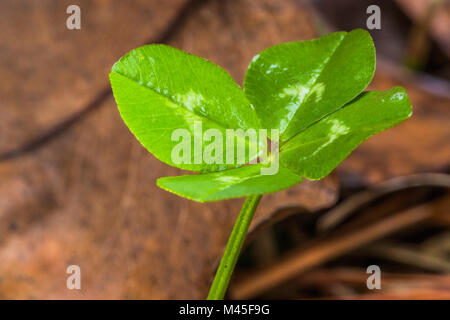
{"x":192,"y":101}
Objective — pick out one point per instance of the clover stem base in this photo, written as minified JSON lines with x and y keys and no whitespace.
{"x":233,"y":248}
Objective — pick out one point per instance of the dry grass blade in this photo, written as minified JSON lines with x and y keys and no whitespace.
{"x":411,"y":256}
{"x":350,"y":283}
{"x":350,"y":205}
{"x":301,"y":260}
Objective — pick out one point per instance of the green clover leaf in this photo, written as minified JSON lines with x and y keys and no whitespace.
{"x":310,"y":91}
{"x":306,"y":95}
{"x":160,"y":89}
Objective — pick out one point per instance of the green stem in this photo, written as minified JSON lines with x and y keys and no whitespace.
{"x":233,"y":248}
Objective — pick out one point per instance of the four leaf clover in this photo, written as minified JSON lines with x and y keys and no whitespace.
{"x":310,"y":91}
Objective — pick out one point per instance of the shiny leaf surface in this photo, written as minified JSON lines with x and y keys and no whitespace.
{"x":294,"y":84}
{"x":160,"y":89}
{"x":232,"y":183}
{"x":315,"y":152}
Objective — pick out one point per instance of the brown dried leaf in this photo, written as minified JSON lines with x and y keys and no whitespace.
{"x":93,"y":200}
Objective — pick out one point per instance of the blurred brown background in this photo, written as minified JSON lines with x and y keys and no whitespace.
{"x":77,"y":188}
